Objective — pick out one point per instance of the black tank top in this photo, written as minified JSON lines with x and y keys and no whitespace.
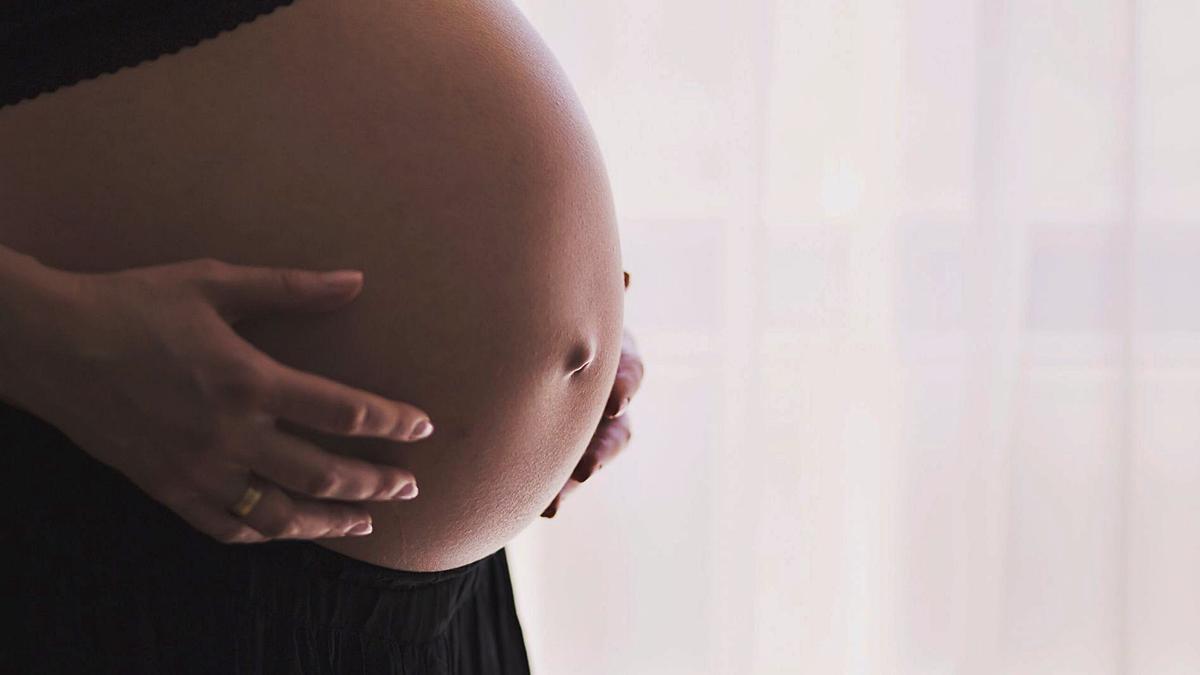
{"x":49,"y":44}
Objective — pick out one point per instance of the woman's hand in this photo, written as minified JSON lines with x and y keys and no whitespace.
{"x":142,"y":369}
{"x":614,"y":431}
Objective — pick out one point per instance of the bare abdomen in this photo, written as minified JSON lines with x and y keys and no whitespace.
{"x":433,"y":145}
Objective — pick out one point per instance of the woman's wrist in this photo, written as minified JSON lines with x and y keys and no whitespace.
{"x":33,"y":300}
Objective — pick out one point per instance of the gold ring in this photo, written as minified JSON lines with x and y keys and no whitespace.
{"x":249,"y":499}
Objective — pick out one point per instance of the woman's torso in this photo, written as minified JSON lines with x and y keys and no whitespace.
{"x":436,"y":146}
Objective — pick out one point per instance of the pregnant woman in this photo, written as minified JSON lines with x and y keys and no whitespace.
{"x":177,"y":379}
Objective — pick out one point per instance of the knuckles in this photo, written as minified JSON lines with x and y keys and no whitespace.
{"x":291,"y":282}
{"x":238,"y":385}
{"x":209,"y":269}
{"x":279,"y":528}
{"x":322,"y":484}
{"x":349,"y":419}
{"x":620,"y":431}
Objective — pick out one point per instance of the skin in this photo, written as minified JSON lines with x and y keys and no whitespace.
{"x":442,"y":153}
{"x":615,"y":430}
{"x":142,"y":370}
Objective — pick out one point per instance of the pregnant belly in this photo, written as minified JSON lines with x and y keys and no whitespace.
{"x":437,"y":147}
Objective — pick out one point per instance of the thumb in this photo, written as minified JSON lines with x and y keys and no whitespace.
{"x":243,"y":291}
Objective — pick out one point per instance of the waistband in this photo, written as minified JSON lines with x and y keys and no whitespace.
{"x":303,"y":583}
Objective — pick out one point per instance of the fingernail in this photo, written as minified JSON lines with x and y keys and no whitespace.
{"x":407,"y":492}
{"x":361,"y":528}
{"x":342,"y":280}
{"x":421,"y":430}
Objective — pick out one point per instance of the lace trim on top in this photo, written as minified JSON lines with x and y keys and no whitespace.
{"x":61,"y":44}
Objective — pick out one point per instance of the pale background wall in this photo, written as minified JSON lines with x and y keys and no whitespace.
{"x":916,"y":285}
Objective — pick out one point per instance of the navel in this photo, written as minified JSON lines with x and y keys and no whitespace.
{"x":580,"y":356}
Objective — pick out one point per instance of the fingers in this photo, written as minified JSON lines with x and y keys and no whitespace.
{"x":630,"y":371}
{"x":283,"y":463}
{"x":306,"y":469}
{"x":279,"y":516}
{"x":275,"y":515}
{"x":255,"y":380}
{"x":238,"y":291}
{"x":325,"y":405}
{"x":552,"y":510}
{"x":614,"y":431}
{"x":610,"y":439}
{"x":217,"y":523}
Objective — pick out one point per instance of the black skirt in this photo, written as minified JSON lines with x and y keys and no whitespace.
{"x":103,"y":579}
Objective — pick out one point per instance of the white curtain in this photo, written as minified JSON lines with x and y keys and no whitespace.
{"x":916,"y":283}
